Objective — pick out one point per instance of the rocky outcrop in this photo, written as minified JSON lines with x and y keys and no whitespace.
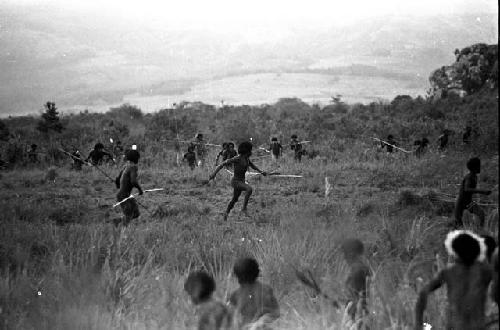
{"x":475,"y":66}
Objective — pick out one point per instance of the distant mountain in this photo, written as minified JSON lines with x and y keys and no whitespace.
{"x":75,"y":60}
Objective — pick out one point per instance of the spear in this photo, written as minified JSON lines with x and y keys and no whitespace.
{"x":307,"y":279}
{"x":392,"y":145}
{"x":88,"y":163}
{"x":135,"y":195}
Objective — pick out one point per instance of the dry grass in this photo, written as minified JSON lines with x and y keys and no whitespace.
{"x":54,"y":233}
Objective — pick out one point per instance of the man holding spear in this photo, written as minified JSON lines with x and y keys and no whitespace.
{"x":126,"y":181}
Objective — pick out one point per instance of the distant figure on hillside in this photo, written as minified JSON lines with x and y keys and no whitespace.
{"x":359,"y":274}
{"x":96,"y":156}
{"x":240,"y":163}
{"x":296,"y":146}
{"x":443,"y":140}
{"x":221,"y":153}
{"x":254,"y":303}
{"x":230,"y":153}
{"x":33,"y":154}
{"x":200,"y":149}
{"x":118,"y":150}
{"x":275,"y":148}
{"x":467,"y":189}
{"x":389,"y":144}
{"x":421,"y":147}
{"x":466,"y":279}
{"x":190,"y":157}
{"x":126,"y":181}
{"x":212,"y":314}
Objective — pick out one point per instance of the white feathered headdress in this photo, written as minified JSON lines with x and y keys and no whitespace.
{"x":455,"y":233}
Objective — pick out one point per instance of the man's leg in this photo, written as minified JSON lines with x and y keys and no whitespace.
{"x":236,"y":196}
{"x":248,"y":192}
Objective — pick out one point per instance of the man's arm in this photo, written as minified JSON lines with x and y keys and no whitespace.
{"x":224,"y":163}
{"x":422,"y":298}
{"x":133,"y":179}
{"x":252,"y":165}
{"x":468,"y":187}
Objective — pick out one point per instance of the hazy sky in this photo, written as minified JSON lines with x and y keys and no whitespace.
{"x":236,"y":14}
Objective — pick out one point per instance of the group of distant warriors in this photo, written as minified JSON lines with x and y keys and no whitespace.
{"x":197,"y":151}
{"x":422,"y":145}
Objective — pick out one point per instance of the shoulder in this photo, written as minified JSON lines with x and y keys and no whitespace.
{"x":486,"y":270}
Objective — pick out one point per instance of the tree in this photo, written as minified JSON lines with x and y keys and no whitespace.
{"x":50,"y":119}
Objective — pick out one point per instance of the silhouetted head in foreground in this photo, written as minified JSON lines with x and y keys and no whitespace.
{"x":246,"y":270}
{"x":199,"y":286}
{"x":98,"y":146}
{"x":274,"y":139}
{"x":352,"y":248}
{"x":132,"y":156}
{"x":465,"y":246}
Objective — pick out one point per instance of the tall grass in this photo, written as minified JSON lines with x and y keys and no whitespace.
{"x":64,"y":266}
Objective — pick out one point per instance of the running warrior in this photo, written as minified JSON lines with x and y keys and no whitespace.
{"x":240,"y":164}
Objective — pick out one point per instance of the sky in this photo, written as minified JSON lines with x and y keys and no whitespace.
{"x":239,"y":14}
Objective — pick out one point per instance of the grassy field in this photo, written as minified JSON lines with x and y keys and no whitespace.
{"x":55,"y":231}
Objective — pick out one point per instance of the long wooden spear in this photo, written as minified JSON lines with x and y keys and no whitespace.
{"x":135,"y":195}
{"x":392,"y":145}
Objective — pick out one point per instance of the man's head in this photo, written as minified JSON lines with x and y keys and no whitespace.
{"x":246,"y":270}
{"x":474,"y":165}
{"x":224,"y":145}
{"x":34,"y":146}
{"x":245,"y":148}
{"x":199,"y":136}
{"x":390,"y":137}
{"x":352,"y":248}
{"x":294,"y":137}
{"x":230,"y":146}
{"x":98,"y":146}
{"x":132,"y":156}
{"x":274,"y":139}
{"x":465,"y":246}
{"x":199,"y":285}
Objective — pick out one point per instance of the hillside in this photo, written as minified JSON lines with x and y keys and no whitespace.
{"x":87,"y":62}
